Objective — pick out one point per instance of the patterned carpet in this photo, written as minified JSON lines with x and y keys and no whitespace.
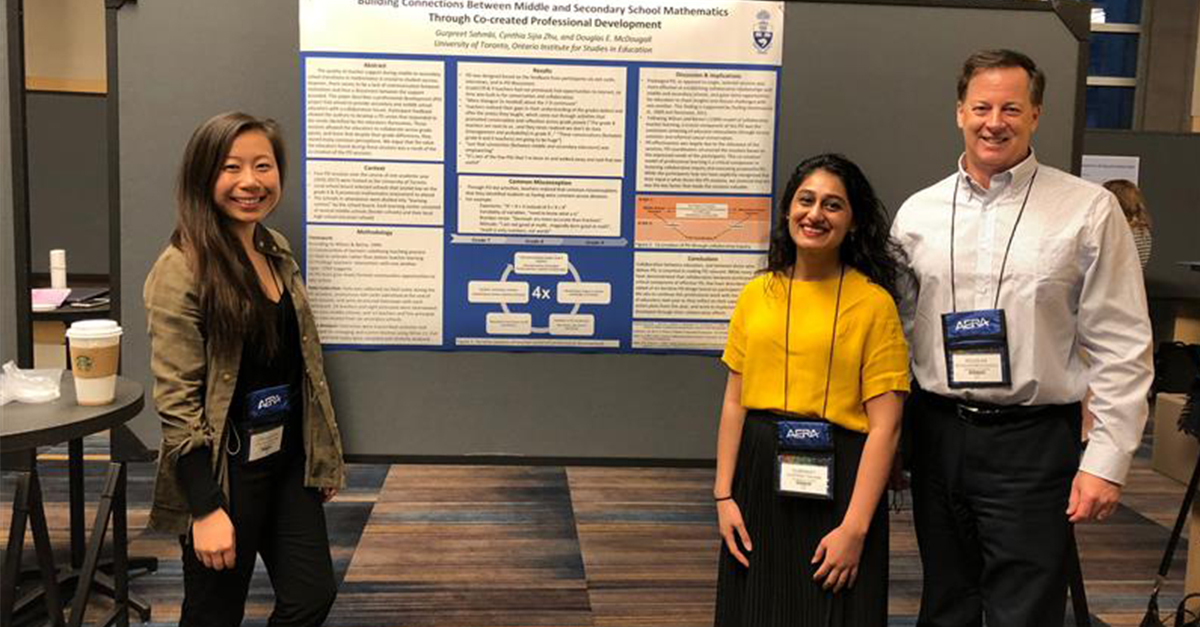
{"x":517,"y":546}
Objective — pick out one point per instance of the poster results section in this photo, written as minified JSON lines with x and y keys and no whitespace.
{"x":536,"y":176}
{"x":541,"y":167}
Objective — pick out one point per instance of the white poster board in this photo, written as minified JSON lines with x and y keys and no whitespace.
{"x":1103,"y":168}
{"x":536,"y":175}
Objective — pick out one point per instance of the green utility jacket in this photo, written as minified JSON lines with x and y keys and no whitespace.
{"x":193,"y":384}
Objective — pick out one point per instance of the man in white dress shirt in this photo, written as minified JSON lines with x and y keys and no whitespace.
{"x":1028,"y":293}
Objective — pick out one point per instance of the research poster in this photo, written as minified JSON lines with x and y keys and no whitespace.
{"x":536,"y":176}
{"x":1101,"y":169}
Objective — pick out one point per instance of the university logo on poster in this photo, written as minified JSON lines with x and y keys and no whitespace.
{"x":763,"y":35}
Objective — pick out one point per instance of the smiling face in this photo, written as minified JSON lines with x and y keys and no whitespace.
{"x":820,"y":215}
{"x":248,"y":187}
{"x":998,"y":118}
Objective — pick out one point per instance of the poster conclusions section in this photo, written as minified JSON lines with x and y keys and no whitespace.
{"x":536,"y":176}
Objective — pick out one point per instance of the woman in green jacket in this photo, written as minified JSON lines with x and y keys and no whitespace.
{"x":250,"y":446}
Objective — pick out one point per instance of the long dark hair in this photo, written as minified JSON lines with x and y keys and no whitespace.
{"x":230,"y":297}
{"x":868,"y":248}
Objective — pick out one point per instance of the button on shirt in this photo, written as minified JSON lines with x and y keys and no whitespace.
{"x":1072,"y":292}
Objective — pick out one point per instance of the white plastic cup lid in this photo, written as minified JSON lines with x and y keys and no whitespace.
{"x":93,"y":329}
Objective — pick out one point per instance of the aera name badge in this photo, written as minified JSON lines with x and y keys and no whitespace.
{"x":976,"y":345}
{"x":265,"y":442}
{"x":268,"y":405}
{"x":804,"y":459}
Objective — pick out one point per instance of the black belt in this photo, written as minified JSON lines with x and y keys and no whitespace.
{"x":987,"y":414}
{"x":766,"y":414}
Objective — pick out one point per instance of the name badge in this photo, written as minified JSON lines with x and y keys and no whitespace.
{"x":976,"y":345}
{"x":808,"y":475}
{"x":804,"y":460}
{"x":804,"y":435}
{"x":264,"y":442}
{"x":268,"y":405}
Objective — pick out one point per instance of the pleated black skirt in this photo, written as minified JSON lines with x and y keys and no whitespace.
{"x":778,"y":590}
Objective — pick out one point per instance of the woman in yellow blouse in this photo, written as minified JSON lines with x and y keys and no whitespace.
{"x":815,"y":348}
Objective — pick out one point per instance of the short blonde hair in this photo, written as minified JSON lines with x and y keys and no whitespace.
{"x":1132,"y":201}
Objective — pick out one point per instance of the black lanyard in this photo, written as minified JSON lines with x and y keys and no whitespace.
{"x":1004,"y":262}
{"x":787,"y":331}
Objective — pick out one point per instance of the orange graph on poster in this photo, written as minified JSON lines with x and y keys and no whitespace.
{"x":699,"y":222}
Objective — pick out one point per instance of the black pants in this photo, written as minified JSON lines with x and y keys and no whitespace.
{"x":276,"y":517}
{"x":989,"y":505}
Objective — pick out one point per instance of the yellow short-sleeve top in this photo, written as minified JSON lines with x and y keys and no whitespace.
{"x":869,"y":359}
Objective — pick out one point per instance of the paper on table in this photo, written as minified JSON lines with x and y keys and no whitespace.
{"x":48,"y":298}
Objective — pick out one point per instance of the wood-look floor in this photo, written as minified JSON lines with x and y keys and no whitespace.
{"x":517,"y":546}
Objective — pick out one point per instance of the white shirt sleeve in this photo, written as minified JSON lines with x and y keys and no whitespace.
{"x":906,"y":282}
{"x":1114,"y":332}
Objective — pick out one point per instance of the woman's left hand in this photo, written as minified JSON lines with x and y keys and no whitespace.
{"x":838,"y":555}
{"x":327,"y":494}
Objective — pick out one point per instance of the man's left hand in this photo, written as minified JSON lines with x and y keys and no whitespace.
{"x":1092,"y":498}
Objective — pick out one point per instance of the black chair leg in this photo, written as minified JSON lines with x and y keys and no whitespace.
{"x":45,"y":555}
{"x":105,"y":584}
{"x":120,"y":549}
{"x":34,"y":592}
{"x":27,"y":506}
{"x":12,"y":555}
{"x":91,"y":560}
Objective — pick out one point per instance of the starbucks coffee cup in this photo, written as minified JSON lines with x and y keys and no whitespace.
{"x":95,"y":354}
